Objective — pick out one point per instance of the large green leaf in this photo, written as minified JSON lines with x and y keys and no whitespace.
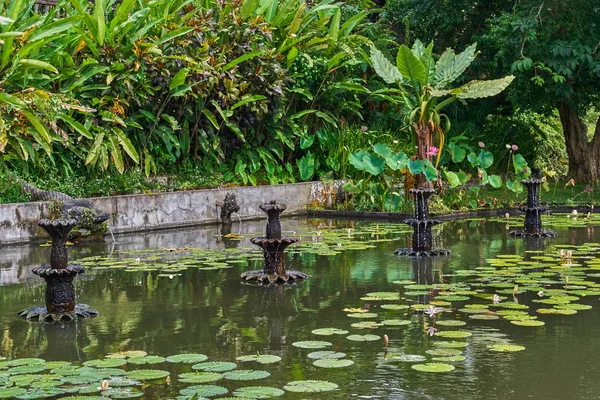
{"x":365,"y":161}
{"x":241,"y":59}
{"x":480,"y":89}
{"x":410,"y":66}
{"x":306,"y":166}
{"x":127,"y":145}
{"x":384,"y":68}
{"x":29,"y":63}
{"x":486,"y":159}
{"x":495,"y":181}
{"x":452,"y":179}
{"x":450,"y":66}
{"x":54,"y":28}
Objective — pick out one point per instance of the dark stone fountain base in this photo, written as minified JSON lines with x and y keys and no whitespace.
{"x":273,"y":271}
{"x":41,"y":314}
{"x":60,"y":296}
{"x":408,"y":252}
{"x":544,"y":233}
{"x":263,"y":278}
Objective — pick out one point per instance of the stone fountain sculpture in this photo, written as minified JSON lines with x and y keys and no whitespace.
{"x":422,"y":240}
{"x":273,"y":246}
{"x":533,"y":212}
{"x":60,"y":292}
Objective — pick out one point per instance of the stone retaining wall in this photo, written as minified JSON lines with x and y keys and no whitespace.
{"x":136,"y":213}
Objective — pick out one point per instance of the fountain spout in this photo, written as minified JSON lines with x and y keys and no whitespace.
{"x":532,"y":226}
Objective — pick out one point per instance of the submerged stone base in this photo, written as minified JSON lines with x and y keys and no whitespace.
{"x":263,"y":278}
{"x":408,"y":252}
{"x":541,"y":233}
{"x":41,"y":314}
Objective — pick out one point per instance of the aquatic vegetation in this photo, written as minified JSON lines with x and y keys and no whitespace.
{"x":433,"y":367}
{"x":310,"y":386}
{"x":333,"y":363}
{"x":505,"y":348}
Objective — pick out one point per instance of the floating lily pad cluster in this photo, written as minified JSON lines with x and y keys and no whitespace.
{"x":172,"y":262}
{"x":126,"y":375}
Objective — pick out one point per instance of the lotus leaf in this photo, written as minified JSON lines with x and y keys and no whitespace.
{"x":363,"y":338}
{"x":188,"y":358}
{"x":204,"y":390}
{"x":199,"y":377}
{"x":527,"y":322}
{"x":311,"y":344}
{"x":258,"y":392}
{"x":329,"y":331}
{"x":146,"y":360}
{"x":246,"y":375}
{"x":260,"y":358}
{"x":147,"y":374}
{"x":451,"y":322}
{"x":332,"y":363}
{"x":310,"y":386}
{"x":325,"y":355}
{"x":215,"y":366}
{"x":106,"y":363}
{"x":454,"y":334}
{"x":433,"y":367}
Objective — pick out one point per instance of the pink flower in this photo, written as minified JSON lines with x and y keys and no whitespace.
{"x":363,"y":128}
{"x":481,"y":144}
{"x":496,"y":299}
{"x":431,"y":331}
{"x":432,"y":311}
{"x":514,"y":147}
{"x":433,"y":151}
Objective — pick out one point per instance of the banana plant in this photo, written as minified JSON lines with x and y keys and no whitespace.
{"x":425,"y":91}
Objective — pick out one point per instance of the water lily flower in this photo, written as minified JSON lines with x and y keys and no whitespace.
{"x":481,"y":144}
{"x":433,"y":151}
{"x":137,"y":260}
{"x":496,"y":299}
{"x":104,"y":386}
{"x":432,"y":311}
{"x":386,"y":341}
{"x":575,"y":212}
{"x":507,"y":215}
{"x":514,"y":147}
{"x":540,"y":293}
{"x":431,"y":331}
{"x":339,"y":245}
{"x":515,"y":289}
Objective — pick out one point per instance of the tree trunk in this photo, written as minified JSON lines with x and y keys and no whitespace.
{"x":584,"y":155}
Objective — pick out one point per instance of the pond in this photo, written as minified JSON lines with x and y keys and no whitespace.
{"x":173,"y":292}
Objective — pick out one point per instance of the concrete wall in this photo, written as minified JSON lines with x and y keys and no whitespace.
{"x":136,"y":213}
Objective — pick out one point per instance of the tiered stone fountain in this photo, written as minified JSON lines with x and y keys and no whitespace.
{"x":273,"y":246}
{"x":422,"y":241}
{"x":533,"y":212}
{"x":60,"y":291}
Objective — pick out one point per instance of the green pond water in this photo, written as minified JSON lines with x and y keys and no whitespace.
{"x":176,"y":292}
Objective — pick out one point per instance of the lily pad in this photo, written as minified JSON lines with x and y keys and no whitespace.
{"x":454,"y":334}
{"x":409,"y":358}
{"x":329,"y":331}
{"x":215,"y":366}
{"x":128,"y":354}
{"x":331,"y":363}
{"x":204,"y":390}
{"x":395,"y":307}
{"x":311,"y":344}
{"x":246,"y":375}
{"x":505,"y":347}
{"x":450,"y":322}
{"x":366,"y":325}
{"x":143,"y":360}
{"x":147,"y":374}
{"x":25,"y":361}
{"x":106,"y":363}
{"x":433,"y":367}
{"x":395,"y":322}
{"x":363,"y":338}
{"x":310,"y":386}
{"x":199,"y":377}
{"x":260,"y":358}
{"x":258,"y":392}
{"x":363,"y":315}
{"x":123,"y":393}
{"x":528,"y":322}
{"x":444,"y":352}
{"x":187,"y":358}
{"x":326,"y":355}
